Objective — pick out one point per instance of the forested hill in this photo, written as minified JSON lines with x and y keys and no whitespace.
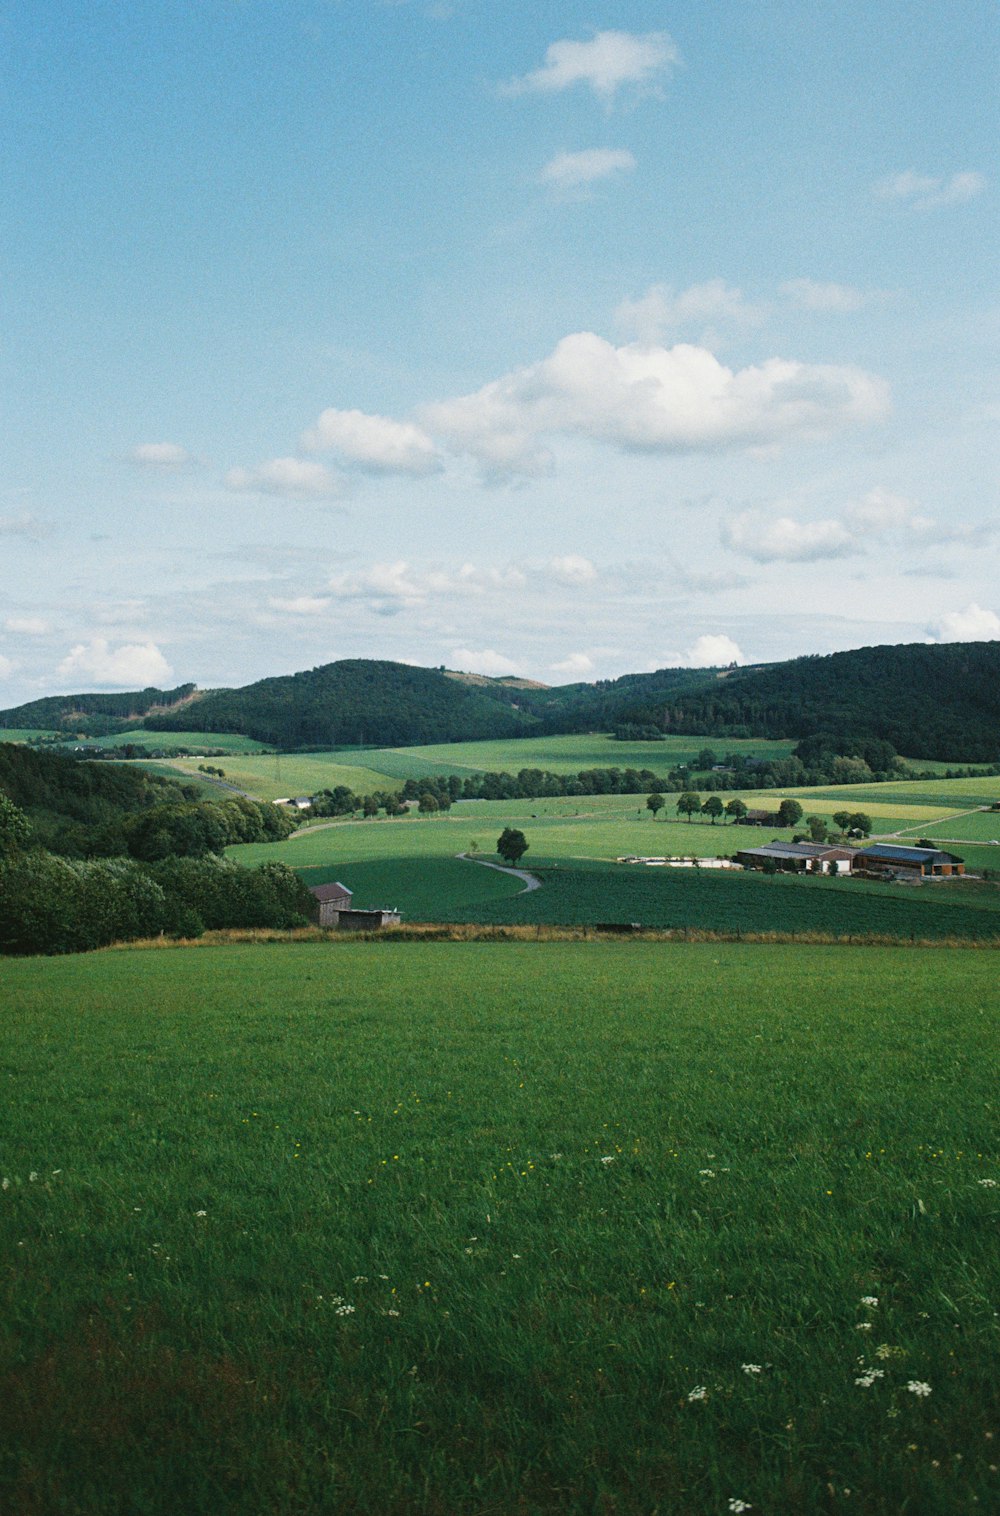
{"x":94,"y":715}
{"x":929,"y":701}
{"x":357,"y":701}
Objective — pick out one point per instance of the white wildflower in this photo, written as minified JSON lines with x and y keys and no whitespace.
{"x":870,"y":1300}
{"x":345,"y":1310}
{"x":918,"y":1387}
{"x":863,"y":1326}
{"x":201,"y":1213}
{"x":867,"y":1379}
{"x":752,"y":1368}
{"x":699,"y":1392}
{"x":392,"y":1313}
{"x":735,"y":1504}
{"x":987,"y":1184}
{"x":5,"y":1184}
{"x":361,"y":1279}
{"x":707,"y":1173}
{"x":608,"y":1158}
{"x":32,"y":1177}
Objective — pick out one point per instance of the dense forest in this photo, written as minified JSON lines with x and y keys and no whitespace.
{"x":928,"y":701}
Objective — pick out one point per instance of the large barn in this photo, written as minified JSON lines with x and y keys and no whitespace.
{"x":798,"y":857}
{"x":887,"y":859}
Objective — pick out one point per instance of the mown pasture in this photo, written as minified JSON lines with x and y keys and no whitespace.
{"x":562,"y":755}
{"x":472,"y":1227}
{"x":271,"y":776}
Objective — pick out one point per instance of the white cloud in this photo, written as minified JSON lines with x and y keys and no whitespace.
{"x":165,"y":455}
{"x":577,"y":664}
{"x":875,"y":516}
{"x":27,"y":626}
{"x":881,"y":511}
{"x":573,"y":569}
{"x":487,"y":661}
{"x":928,"y":192}
{"x":663,"y":310}
{"x":713,"y":651}
{"x":25,"y":526}
{"x":607,"y":62}
{"x":784,"y":540}
{"x":287,"y":476}
{"x":646,"y":398}
{"x":971,"y":625}
{"x":132,"y":665}
{"x":813,"y":295}
{"x":568,"y":171}
{"x":300,"y":605}
{"x":399,"y":584}
{"x":6,"y":667}
{"x":374,"y":443}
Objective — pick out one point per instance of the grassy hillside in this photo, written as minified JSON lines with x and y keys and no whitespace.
{"x":565,"y":754}
{"x":456,"y":1228}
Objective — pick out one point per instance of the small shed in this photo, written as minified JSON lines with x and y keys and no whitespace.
{"x":761,"y":818}
{"x":366,"y":921}
{"x":331,"y":900}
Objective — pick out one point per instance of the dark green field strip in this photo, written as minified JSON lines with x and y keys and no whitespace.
{"x":472,"y":1228}
{"x":583,"y":894}
{"x":423,"y":889}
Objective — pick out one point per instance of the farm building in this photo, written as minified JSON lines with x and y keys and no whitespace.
{"x":331,"y":899}
{"x":761,"y":818}
{"x":887,"y":859}
{"x":366,"y":921}
{"x":798,"y":857}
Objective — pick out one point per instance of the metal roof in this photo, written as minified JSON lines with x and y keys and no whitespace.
{"x":335,"y":891}
{"x":893,"y":854}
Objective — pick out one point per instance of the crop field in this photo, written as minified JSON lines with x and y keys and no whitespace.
{"x":271,"y":776}
{"x":477,"y":1228}
{"x":230,"y":742}
{"x":974,"y":826}
{"x":562,"y":755}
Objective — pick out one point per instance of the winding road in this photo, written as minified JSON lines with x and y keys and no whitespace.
{"x":531,"y":882}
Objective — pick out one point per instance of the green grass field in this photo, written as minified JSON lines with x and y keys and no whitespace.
{"x":270,"y":776}
{"x":561,"y":755}
{"x":167,"y":741}
{"x":488,"y":1228}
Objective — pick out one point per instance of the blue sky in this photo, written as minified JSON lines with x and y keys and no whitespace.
{"x":553,"y":339}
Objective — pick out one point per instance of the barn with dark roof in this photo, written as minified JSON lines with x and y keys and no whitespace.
{"x":890,"y":860}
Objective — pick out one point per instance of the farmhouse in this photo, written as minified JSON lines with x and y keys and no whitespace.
{"x":901,"y":862}
{"x":798,"y":857}
{"x":761,"y":818}
{"x":331,"y":900}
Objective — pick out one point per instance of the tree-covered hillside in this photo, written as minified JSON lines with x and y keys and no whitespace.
{"x":94,"y":715}
{"x":930,"y":701}
{"x":356,"y":701}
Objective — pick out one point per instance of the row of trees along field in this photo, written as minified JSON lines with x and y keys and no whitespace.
{"x":789,"y":813}
{"x":112,"y":874}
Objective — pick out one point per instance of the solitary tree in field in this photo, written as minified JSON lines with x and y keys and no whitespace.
{"x":713,"y":807}
{"x":736,"y":808}
{"x":512,"y":844}
{"x":654,"y":803}
{"x":689,"y":804}
{"x":789,"y":812}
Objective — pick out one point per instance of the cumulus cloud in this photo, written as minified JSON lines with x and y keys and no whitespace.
{"x":392,"y":586}
{"x":647,"y":398}
{"x":487,"y":661}
{"x":573,"y":569}
{"x":6,"y":667}
{"x":929,"y":192}
{"x":577,"y":664}
{"x":296,"y":477}
{"x":782,"y":539}
{"x":609,"y":61}
{"x":971,"y":625}
{"x":300,"y":605}
{"x":132,"y":665}
{"x":873,"y":517}
{"x":813,"y":295}
{"x":569,"y":171}
{"x":162,"y":455}
{"x":27,"y":626}
{"x":376,"y":444}
{"x":714,"y":650}
{"x":663,"y":310}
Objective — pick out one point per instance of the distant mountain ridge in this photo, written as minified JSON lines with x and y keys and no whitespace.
{"x":929,"y":700}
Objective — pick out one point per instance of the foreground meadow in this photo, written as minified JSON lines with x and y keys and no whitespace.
{"x":499,"y":1227}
